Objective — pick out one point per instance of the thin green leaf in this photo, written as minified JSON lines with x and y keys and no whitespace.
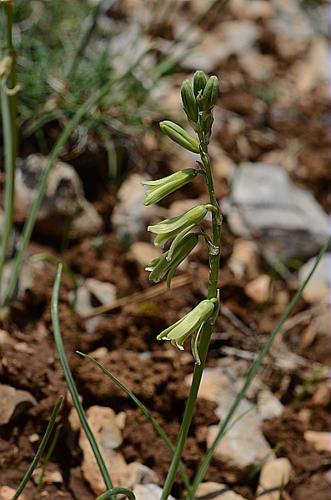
{"x":48,"y":456}
{"x":71,"y":383}
{"x":41,"y":448}
{"x":251,"y":375}
{"x":158,"y":429}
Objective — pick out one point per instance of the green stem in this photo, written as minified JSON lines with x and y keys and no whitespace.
{"x":8,"y":112}
{"x":48,"y":456}
{"x":214,"y":260}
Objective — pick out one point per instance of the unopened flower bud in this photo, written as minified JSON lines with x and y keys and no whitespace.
{"x":210,"y":93}
{"x":179,"y":135}
{"x":189,"y":101}
{"x":160,"y":188}
{"x":169,"y":228}
{"x":199,"y":82}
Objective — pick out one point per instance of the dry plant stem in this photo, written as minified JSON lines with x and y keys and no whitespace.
{"x":214,"y":260}
{"x":8,"y":111}
{"x":135,"y":298}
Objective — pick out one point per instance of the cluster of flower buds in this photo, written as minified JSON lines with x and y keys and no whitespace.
{"x":198,"y":100}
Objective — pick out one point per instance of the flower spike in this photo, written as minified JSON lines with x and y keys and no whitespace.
{"x":160,"y":188}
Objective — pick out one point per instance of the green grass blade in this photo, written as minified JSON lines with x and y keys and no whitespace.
{"x":41,"y":448}
{"x":252,"y":373}
{"x":158,"y":429}
{"x":117,"y":491}
{"x":48,"y":456}
{"x":71,"y":383}
{"x":8,"y":114}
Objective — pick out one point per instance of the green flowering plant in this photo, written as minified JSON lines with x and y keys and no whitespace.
{"x":199,"y":98}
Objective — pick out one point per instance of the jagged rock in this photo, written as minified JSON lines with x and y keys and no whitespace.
{"x":7,"y":493}
{"x":149,"y":492}
{"x":268,"y":406}
{"x":212,"y":489}
{"x":320,"y":440}
{"x":243,"y":445}
{"x":274,"y":476}
{"x":64,"y":210}
{"x":13,"y":402}
{"x":317,"y":289}
{"x":265,"y":204}
{"x":259,"y":289}
{"x":244,"y":259}
{"x":107,"y":429}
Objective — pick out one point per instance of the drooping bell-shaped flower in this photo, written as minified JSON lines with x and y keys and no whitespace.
{"x":190,"y":324}
{"x":170,"y":228}
{"x":160,"y":188}
{"x":161,"y":266}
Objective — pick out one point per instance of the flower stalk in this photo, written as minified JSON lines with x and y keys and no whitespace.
{"x":205,"y":335}
{"x":199,"y":98}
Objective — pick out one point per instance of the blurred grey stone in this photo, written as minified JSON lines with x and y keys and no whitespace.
{"x":266,"y":205}
{"x":148,"y":492}
{"x":93,"y":293}
{"x":130,"y":215}
{"x":64,"y":210}
{"x":317,"y":288}
{"x":13,"y":402}
{"x":30,"y":274}
{"x":235,"y":38}
{"x":268,"y":406}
